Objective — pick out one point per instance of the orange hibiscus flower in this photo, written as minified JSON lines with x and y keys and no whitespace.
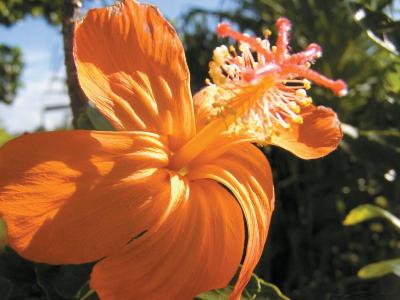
{"x":162,"y":203}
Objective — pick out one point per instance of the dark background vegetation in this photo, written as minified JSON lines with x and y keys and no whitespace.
{"x":309,"y":253}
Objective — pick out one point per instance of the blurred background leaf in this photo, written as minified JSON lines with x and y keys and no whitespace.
{"x":366,"y":212}
{"x":3,"y":235}
{"x":13,"y":10}
{"x":4,"y":136}
{"x":256,"y":289}
{"x":380,"y":269}
{"x":376,"y":18}
{"x":10,"y":71}
{"x":97,"y":119}
{"x":11,"y":63}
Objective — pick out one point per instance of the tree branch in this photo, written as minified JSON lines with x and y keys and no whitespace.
{"x":78,"y":100}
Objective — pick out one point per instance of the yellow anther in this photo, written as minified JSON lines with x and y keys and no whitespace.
{"x":274,"y":49}
{"x":294,"y":107}
{"x":216,"y":74}
{"x":307,"y":84}
{"x":207,"y":81}
{"x":297,"y":119}
{"x":244,"y":47}
{"x":301,"y":93}
{"x":306,"y":101}
{"x":268,"y":123}
{"x":267,"y":32}
{"x":221,"y":54}
{"x":240,"y":60}
{"x":308,"y":65}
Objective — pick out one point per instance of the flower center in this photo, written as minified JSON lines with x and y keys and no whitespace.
{"x":260,"y":89}
{"x":279,"y":81}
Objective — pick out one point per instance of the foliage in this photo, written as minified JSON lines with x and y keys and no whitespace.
{"x":309,"y":254}
{"x":21,"y":279}
{"x":256,"y":289}
{"x":11,"y":63}
{"x":14,"y":10}
{"x":380,"y":269}
{"x":10,"y":71}
{"x":4,"y":136}
{"x":367,"y":212}
{"x":3,"y":235}
{"x":379,"y":25}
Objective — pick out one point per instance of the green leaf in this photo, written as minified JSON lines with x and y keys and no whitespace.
{"x":91,"y":119}
{"x":368,"y":211}
{"x":4,"y":136}
{"x":220,"y":294}
{"x":83,"y":122}
{"x":380,"y":269}
{"x":86,"y":293}
{"x":256,"y":289}
{"x":379,"y":26}
{"x":271,"y":291}
{"x":3,"y":235}
{"x":97,"y":119}
{"x":10,"y":72}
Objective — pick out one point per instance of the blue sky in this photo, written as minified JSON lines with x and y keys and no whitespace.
{"x":43,"y":75}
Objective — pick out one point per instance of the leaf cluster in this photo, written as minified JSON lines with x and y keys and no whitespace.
{"x":10,"y":70}
{"x":21,"y":279}
{"x":367,"y":212}
{"x":13,"y":10}
{"x":11,"y":63}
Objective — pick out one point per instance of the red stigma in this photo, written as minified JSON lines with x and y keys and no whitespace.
{"x":283,"y":22}
{"x":339,"y":87}
{"x":223,"y":29}
{"x":314,"y":47}
{"x":290,"y":65}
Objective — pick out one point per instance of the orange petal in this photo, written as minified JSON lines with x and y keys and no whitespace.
{"x":197,"y":249}
{"x":131,"y":65}
{"x":77,"y":196}
{"x":217,"y":148}
{"x":247,"y":174}
{"x":319,"y":134}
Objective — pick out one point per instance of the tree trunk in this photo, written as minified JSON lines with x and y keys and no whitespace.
{"x":70,"y":14}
